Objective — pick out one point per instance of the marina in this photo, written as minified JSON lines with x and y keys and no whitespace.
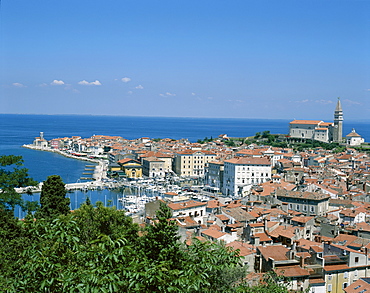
{"x":130,"y":196}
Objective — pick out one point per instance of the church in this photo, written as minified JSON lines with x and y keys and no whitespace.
{"x":319,"y":130}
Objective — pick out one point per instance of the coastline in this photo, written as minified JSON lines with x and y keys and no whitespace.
{"x":99,"y":169}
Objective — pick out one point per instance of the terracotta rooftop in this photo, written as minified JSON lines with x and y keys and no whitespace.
{"x":292,"y":271}
{"x":299,"y":194}
{"x":277,"y":252}
{"x":215,"y":234}
{"x":305,"y":122}
{"x":249,"y":161}
{"x":244,"y":248}
{"x":336,"y":268}
{"x":361,"y":285}
{"x":186,"y":205}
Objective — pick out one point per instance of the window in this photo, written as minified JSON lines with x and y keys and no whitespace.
{"x":346,"y":275}
{"x":330,"y":276}
{"x":356,"y":259}
{"x":297,"y":207}
{"x":330,"y":288}
{"x":345,"y":284}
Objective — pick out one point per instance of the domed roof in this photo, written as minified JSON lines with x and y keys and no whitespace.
{"x":353,"y":134}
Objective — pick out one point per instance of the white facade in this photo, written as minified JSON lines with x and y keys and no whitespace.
{"x":241,"y":173}
{"x":311,"y":129}
{"x":319,"y":130}
{"x":194,"y":209}
{"x":153,"y":167}
{"x":354,"y":139}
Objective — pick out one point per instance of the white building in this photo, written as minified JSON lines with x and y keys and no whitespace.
{"x":354,"y":139}
{"x":319,"y":130}
{"x":241,"y":173}
{"x":311,"y":129}
{"x":194,"y":209}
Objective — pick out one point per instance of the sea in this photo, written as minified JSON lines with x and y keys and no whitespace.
{"x":19,"y":129}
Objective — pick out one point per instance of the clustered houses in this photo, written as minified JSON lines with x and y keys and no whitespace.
{"x":302,"y":220}
{"x":304,"y":215}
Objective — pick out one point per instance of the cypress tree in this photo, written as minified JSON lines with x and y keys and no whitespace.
{"x":53,"y":198}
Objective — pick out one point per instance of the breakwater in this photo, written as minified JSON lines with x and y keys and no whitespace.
{"x":97,"y":171}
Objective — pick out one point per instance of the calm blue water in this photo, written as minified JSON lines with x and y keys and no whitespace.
{"x":17,"y":130}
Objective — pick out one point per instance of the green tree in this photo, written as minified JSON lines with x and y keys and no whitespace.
{"x":57,"y":261}
{"x":94,"y":250}
{"x":53,"y":199}
{"x":99,"y":220}
{"x":211,"y":267}
{"x":12,"y":175}
{"x":161,"y":240}
{"x":265,"y":134}
{"x":230,"y":143}
{"x":12,"y":238}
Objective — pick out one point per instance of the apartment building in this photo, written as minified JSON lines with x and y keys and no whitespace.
{"x":215,"y":174}
{"x":192,"y":162}
{"x":241,"y":173}
{"x":308,"y":203}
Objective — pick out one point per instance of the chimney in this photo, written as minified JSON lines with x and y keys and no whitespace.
{"x":294,"y":247}
{"x":284,"y":206}
{"x":265,"y":225}
{"x":301,"y":261}
{"x":256,"y":241}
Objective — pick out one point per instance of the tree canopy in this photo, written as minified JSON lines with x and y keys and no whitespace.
{"x":100,"y":249}
{"x":12,"y":175}
{"x":53,"y":198}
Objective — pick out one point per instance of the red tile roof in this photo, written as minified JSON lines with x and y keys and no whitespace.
{"x":292,"y":271}
{"x":186,"y":205}
{"x":277,"y":252}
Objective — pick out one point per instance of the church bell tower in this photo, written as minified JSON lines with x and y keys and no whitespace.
{"x":338,"y":123}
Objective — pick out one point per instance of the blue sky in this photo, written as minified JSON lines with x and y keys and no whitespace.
{"x":245,"y":59}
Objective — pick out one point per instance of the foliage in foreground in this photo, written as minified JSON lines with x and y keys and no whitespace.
{"x":83,"y":252}
{"x":100,"y":249}
{"x":12,"y":175}
{"x":53,"y":198}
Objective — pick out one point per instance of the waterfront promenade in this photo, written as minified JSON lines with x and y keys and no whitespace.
{"x":99,"y":174}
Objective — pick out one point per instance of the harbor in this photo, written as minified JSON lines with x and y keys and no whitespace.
{"x":123,"y":193}
{"x":126,"y":195}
